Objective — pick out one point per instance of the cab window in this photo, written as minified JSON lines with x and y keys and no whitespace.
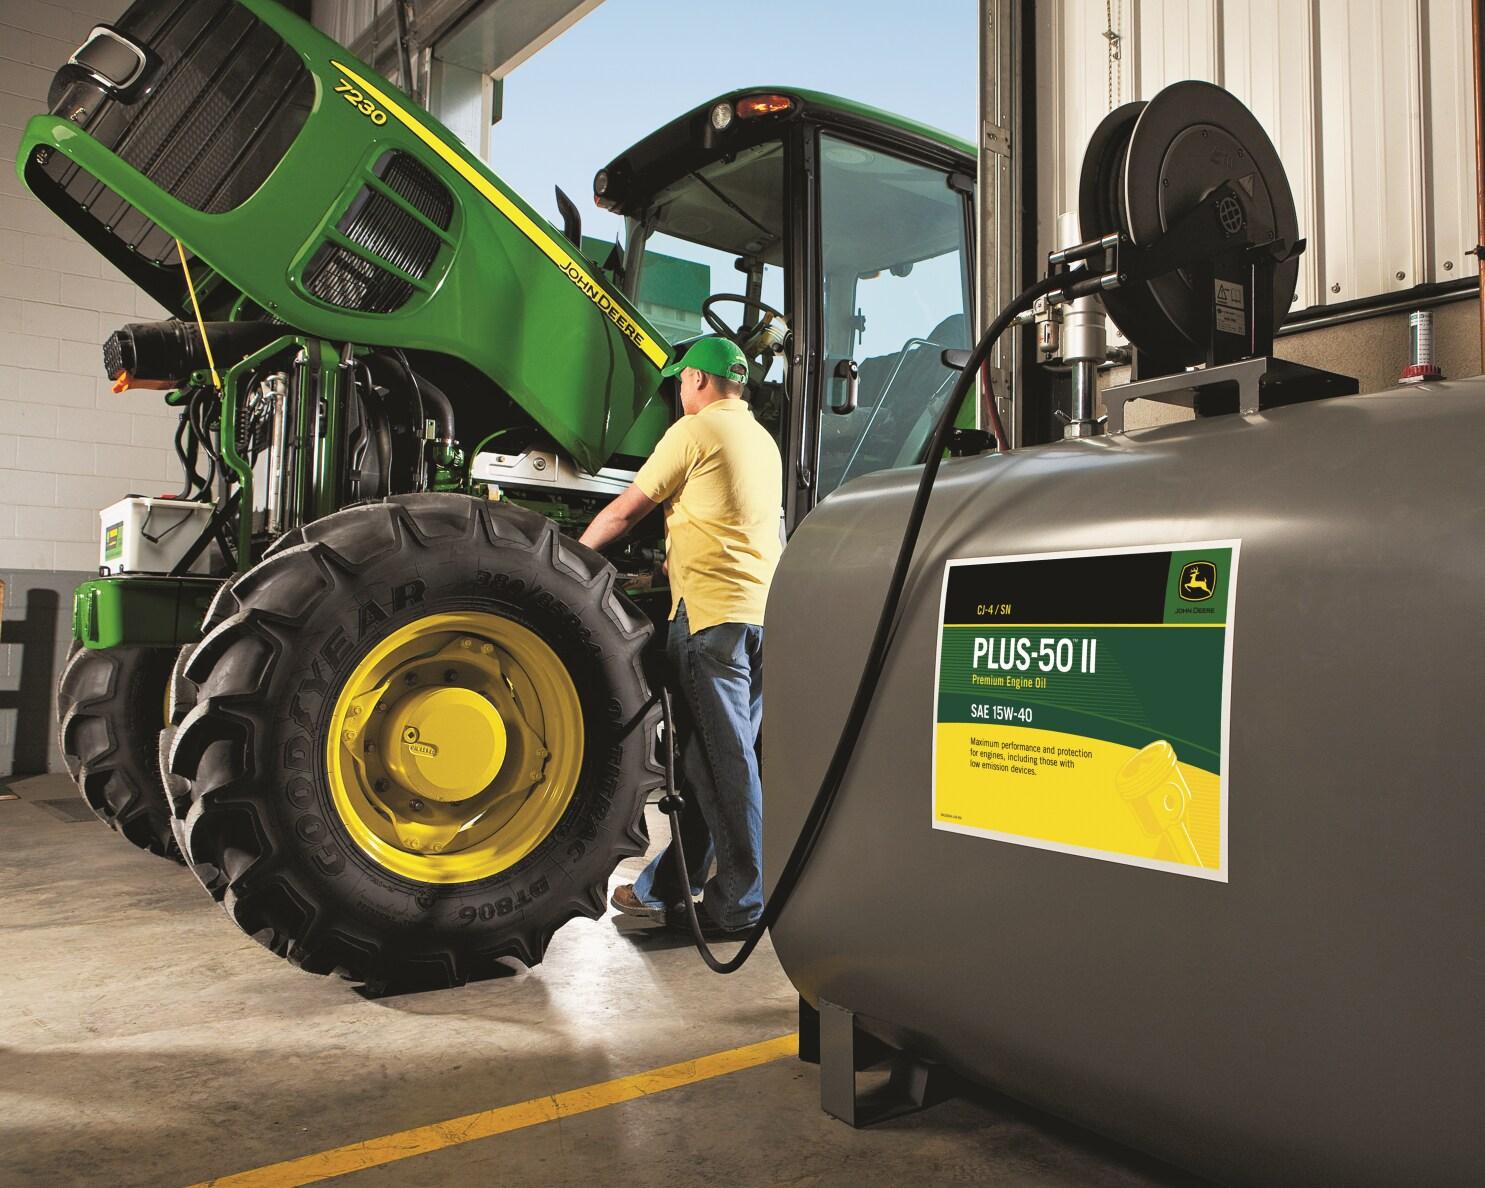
{"x":895,"y":267}
{"x":719,"y":229}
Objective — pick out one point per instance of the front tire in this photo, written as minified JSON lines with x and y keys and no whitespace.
{"x":353,"y":695}
{"x":110,"y":708}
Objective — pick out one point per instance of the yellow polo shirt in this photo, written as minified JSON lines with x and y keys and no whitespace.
{"x":720,"y":476}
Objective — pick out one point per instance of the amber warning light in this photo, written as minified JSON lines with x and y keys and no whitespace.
{"x":761,"y":105}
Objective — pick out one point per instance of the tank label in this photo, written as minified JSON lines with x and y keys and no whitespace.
{"x":1082,"y":703}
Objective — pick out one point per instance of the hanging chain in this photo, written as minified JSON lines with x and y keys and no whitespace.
{"x":1115,"y":39}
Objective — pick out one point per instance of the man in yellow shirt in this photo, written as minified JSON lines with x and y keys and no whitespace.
{"x":720,"y":477}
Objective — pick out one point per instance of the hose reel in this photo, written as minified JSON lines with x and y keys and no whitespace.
{"x":1191,"y":241}
{"x":1187,"y":203}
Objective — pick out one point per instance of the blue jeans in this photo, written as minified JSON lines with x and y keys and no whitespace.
{"x":717,"y":676}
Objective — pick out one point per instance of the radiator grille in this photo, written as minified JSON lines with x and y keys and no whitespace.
{"x":228,"y":98}
{"x":415,"y":182}
{"x":225,"y":100}
{"x":378,"y":224}
{"x":343,"y":278}
{"x":386,"y":230}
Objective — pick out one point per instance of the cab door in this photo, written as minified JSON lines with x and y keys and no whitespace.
{"x":891,"y":290}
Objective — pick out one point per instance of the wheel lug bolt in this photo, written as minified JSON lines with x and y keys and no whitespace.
{"x":355,"y":711}
{"x":450,"y":675}
{"x":466,"y":643}
{"x":416,"y":805}
{"x":348,"y":735}
{"x":370,"y":746}
{"x":487,"y":649}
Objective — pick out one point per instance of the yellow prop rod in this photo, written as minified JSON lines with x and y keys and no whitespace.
{"x":200,"y":323}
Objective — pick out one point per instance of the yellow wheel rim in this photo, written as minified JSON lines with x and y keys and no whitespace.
{"x":455,"y":747}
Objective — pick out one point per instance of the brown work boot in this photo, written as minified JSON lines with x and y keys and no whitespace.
{"x":626,"y":901}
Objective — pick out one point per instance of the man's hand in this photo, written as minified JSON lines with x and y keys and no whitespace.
{"x":618,"y":518}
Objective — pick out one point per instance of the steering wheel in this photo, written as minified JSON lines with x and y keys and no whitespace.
{"x":744,"y":333}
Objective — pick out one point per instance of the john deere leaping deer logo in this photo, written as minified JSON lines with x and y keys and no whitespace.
{"x":1198,"y":581}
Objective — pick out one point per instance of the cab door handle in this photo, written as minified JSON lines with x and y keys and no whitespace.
{"x":847,"y":370}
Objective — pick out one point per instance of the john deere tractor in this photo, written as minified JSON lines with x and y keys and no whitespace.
{"x":357,"y":673}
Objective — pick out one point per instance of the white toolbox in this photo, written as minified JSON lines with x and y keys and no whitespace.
{"x":142,"y":535}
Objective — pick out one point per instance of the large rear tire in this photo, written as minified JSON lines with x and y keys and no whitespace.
{"x":110,"y":708}
{"x":421,"y":740}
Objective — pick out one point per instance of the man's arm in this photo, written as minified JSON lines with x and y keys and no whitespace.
{"x":618,"y":518}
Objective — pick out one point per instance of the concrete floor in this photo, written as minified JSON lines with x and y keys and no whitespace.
{"x":143,"y":1040}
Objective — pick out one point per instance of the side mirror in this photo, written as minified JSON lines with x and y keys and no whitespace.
{"x":955,"y":360}
{"x":846,"y":370}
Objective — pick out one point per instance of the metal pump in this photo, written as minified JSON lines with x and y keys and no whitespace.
{"x":1084,"y":344}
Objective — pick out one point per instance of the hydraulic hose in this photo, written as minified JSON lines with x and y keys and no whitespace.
{"x":436,"y":406}
{"x":871,"y":671}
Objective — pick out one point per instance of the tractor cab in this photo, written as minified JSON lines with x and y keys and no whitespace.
{"x":833,"y":242}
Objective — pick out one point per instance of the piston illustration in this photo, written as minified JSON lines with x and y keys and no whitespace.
{"x":1152,"y":785}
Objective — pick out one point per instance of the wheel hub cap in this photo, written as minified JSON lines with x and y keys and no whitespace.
{"x":455,"y":747}
{"x":444,"y":744}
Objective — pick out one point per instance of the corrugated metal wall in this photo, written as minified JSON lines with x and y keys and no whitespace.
{"x":1368,"y":102}
{"x":346,"y":20}
{"x":350,"y":21}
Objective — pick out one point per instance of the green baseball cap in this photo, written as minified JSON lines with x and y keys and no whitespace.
{"x":716,"y":356}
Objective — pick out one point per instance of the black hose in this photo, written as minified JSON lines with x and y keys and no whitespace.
{"x":431,"y":401}
{"x":187,"y":451}
{"x":374,"y":413}
{"x":420,"y":476}
{"x":871,"y":672}
{"x":202,"y":403}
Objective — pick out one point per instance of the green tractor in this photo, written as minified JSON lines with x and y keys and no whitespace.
{"x":357,"y":673}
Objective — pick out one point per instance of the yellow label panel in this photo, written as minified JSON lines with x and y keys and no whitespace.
{"x":1077,"y":795}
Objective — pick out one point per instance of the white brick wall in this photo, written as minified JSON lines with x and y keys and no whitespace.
{"x":68,"y":445}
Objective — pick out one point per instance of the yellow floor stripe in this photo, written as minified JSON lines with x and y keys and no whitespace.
{"x":420,"y":1140}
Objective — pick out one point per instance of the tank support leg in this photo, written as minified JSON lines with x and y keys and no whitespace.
{"x":809,"y":1033}
{"x":842,"y":1050}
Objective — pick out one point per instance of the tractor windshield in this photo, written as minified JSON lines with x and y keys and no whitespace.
{"x":719,"y":229}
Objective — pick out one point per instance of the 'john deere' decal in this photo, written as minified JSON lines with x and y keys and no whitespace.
{"x":1082,"y":703}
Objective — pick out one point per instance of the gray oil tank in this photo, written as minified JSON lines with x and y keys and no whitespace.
{"x":1314,"y":1016}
